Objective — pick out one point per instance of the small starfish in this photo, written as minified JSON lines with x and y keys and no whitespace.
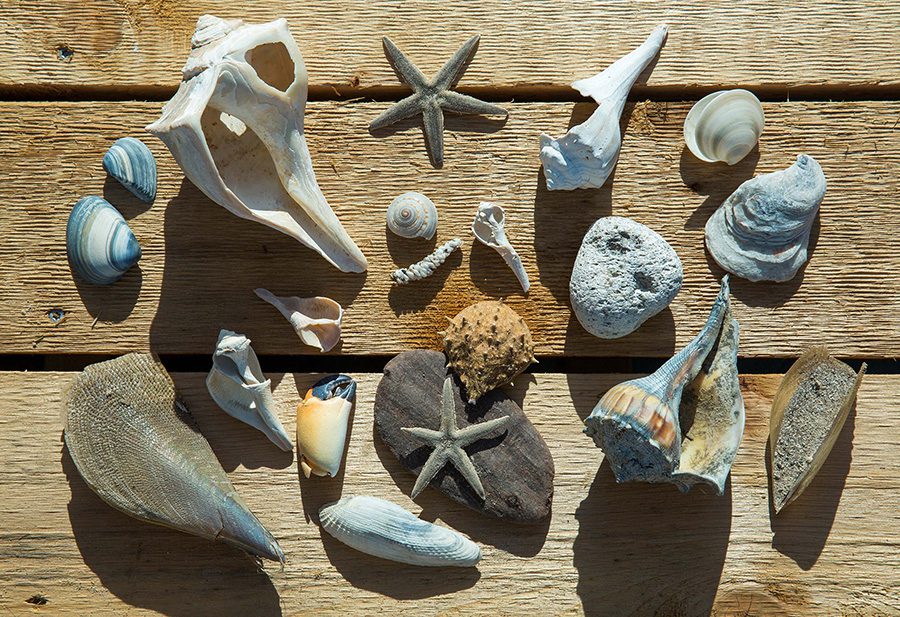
{"x":448,"y":444}
{"x":430,"y":98}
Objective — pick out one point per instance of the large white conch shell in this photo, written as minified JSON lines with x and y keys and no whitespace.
{"x":586,"y":155}
{"x":235,"y":126}
{"x":724,"y":126}
{"x":317,"y":321}
{"x":237,"y":385}
{"x":488,"y":229}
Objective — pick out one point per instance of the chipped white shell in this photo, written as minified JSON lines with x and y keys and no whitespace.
{"x":237,"y":385}
{"x":412,"y":215}
{"x":386,"y":530}
{"x":317,"y":320}
{"x":488,"y":229}
{"x":724,"y":126}
{"x":235,"y":127}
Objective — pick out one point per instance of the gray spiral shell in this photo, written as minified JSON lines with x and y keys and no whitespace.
{"x":412,"y":215}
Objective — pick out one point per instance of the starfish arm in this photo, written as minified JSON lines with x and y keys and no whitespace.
{"x":474,"y":432}
{"x":448,"y":407}
{"x":425,"y":434}
{"x":455,"y":66}
{"x":409,"y":106}
{"x":464,"y":104}
{"x":406,"y":70}
{"x":466,"y":467}
{"x":433,"y":465}
{"x":433,"y":122}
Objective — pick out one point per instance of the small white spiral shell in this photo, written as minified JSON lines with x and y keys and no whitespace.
{"x":426,"y":267}
{"x":412,"y":215}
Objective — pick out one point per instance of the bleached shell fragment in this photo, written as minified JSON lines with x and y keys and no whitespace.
{"x":100,"y":244}
{"x":130,"y":161}
{"x":384,"y":529}
{"x":412,"y":215}
{"x":488,"y":228}
{"x":426,"y":267}
{"x":724,"y":126}
{"x":316,"y":320}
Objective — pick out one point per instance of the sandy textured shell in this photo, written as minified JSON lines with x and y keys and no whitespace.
{"x":488,"y":228}
{"x":724,"y":126}
{"x":488,"y":344}
{"x":100,"y":245}
{"x":136,"y":445}
{"x":586,"y":155}
{"x":386,"y":530}
{"x":761,"y":232}
{"x":237,"y":385}
{"x":412,"y":215}
{"x":130,"y":162}
{"x":316,"y":320}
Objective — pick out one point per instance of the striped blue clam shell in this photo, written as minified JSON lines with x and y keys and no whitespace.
{"x":100,"y":244}
{"x":130,"y":162}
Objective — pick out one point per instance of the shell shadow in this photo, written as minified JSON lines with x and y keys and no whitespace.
{"x":490,"y":273}
{"x":405,"y":251}
{"x":646,"y":549}
{"x":717,"y":181}
{"x":416,"y":295}
{"x":160,"y":569}
{"x":122,"y":199}
{"x":579,"y":342}
{"x":802,"y":528}
{"x":111,"y":303}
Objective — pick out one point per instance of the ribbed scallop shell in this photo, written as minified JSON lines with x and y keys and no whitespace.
{"x":386,"y":530}
{"x":130,"y":162}
{"x":724,"y":126}
{"x":100,"y":245}
{"x":412,"y":215}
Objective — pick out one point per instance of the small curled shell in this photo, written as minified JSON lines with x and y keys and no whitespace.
{"x":724,"y":126}
{"x":412,"y":215}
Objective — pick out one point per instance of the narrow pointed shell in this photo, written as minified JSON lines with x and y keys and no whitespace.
{"x":322,"y":427}
{"x":427,"y":266}
{"x":130,"y":162}
{"x":488,"y":228}
{"x":384,"y":529}
{"x":237,"y":385}
{"x":412,"y":215}
{"x":137,"y":446}
{"x":316,"y":320}
{"x":724,"y":126}
{"x":100,"y":245}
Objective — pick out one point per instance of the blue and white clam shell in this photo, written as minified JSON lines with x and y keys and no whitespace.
{"x":130,"y":162}
{"x":100,"y":244}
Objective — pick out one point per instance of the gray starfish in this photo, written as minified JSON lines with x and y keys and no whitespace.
{"x":448,"y":444}
{"x":431,"y":98}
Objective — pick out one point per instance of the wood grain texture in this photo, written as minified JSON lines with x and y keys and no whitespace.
{"x":529,"y":45}
{"x":609,"y":549}
{"x":201,"y":263}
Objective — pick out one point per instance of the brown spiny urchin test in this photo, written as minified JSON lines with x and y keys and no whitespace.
{"x":488,"y":344}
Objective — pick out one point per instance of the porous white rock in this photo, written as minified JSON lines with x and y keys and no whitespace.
{"x":625,"y":273}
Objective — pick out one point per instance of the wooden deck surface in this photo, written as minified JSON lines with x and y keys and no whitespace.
{"x":76,"y":75}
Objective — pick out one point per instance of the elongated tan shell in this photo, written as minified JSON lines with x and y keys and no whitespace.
{"x":412,"y":215}
{"x":317,"y":320}
{"x":724,"y":126}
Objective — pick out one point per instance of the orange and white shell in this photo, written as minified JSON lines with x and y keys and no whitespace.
{"x":322,"y":434}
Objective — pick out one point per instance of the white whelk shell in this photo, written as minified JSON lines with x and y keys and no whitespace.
{"x":586,"y":155}
{"x":100,"y":244}
{"x":317,"y":320}
{"x":488,"y":229}
{"x":237,"y":385}
{"x":383,"y":529}
{"x":724,"y":126}
{"x":235,"y":127}
{"x":412,"y":215}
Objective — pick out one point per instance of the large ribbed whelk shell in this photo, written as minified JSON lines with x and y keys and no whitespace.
{"x":412,"y":215}
{"x":100,"y":245}
{"x":724,"y":126}
{"x":384,"y":529}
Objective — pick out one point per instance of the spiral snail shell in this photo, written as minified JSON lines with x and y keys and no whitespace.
{"x":724,"y":126}
{"x":412,"y":215}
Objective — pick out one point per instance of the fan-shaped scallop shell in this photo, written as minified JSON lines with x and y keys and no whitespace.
{"x":130,"y":162}
{"x":724,"y":126}
{"x":100,"y":245}
{"x":412,"y":215}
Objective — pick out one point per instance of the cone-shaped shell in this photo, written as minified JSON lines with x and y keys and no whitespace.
{"x":724,"y":126}
{"x":384,"y":529}
{"x":323,"y":418}
{"x":488,"y":228}
{"x":412,"y":215}
{"x":317,"y":320}
{"x":130,"y":162}
{"x":237,"y":385}
{"x":100,"y":245}
{"x":136,"y":445}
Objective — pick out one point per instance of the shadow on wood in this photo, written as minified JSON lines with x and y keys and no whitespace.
{"x":416,"y":295}
{"x":112,"y":303}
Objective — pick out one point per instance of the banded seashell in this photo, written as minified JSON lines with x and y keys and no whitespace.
{"x":384,"y":529}
{"x":130,"y":161}
{"x":724,"y":126}
{"x":316,"y":320}
{"x":412,"y":215}
{"x":100,"y":245}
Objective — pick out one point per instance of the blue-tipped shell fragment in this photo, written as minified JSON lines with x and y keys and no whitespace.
{"x":130,"y":162}
{"x":100,"y":245}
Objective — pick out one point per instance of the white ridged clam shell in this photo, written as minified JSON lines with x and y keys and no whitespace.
{"x":317,"y":320}
{"x":412,"y":215}
{"x":488,"y":229}
{"x":724,"y":126}
{"x":384,"y":529}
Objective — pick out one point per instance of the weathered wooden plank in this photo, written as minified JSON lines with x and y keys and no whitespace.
{"x":529,"y":46}
{"x":609,"y":549}
{"x":201,"y":263}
